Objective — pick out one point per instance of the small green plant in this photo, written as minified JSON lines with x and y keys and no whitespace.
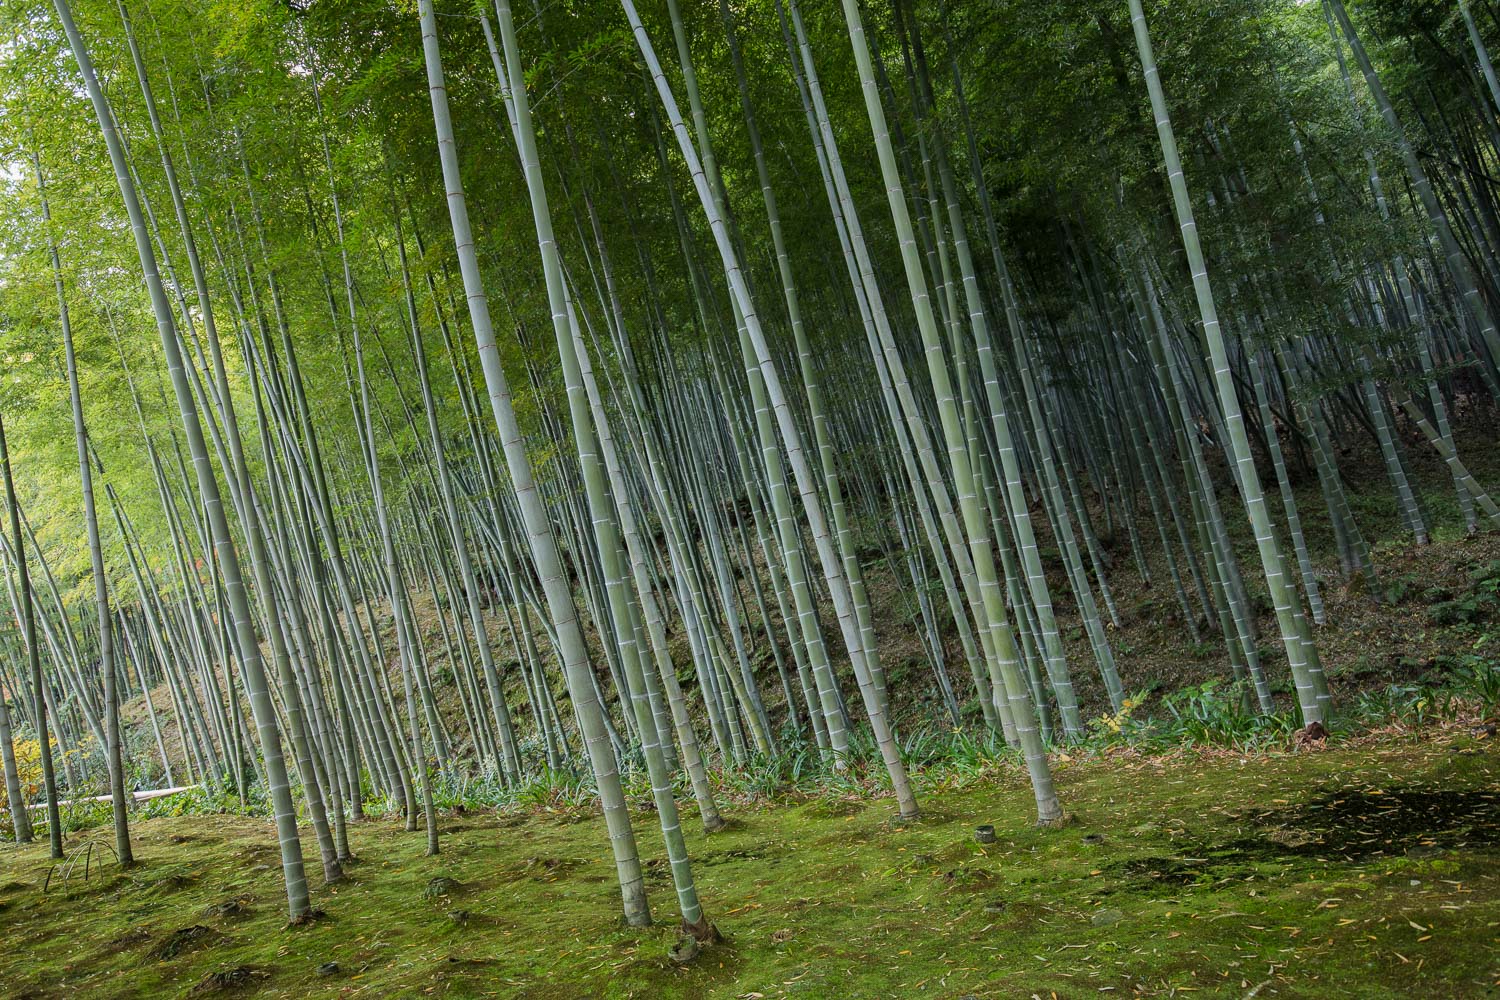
{"x":1399,"y":589}
{"x":1478,"y":677}
{"x":1464,"y":610}
{"x":1475,"y":606}
{"x":1211,"y":714}
{"x":556,"y":790}
{"x":1119,"y":723}
{"x":1217,"y":714}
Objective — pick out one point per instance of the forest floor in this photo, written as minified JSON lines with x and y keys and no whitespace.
{"x":1366,"y":868}
{"x":1369,"y":868}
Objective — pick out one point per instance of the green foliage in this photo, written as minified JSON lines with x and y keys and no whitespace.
{"x":1409,"y":705}
{"x":553,"y":790}
{"x":1477,"y":677}
{"x":203,"y":801}
{"x":1216,"y":714}
{"x":1478,"y":604}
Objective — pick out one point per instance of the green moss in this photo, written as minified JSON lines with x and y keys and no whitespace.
{"x":1181,"y":872}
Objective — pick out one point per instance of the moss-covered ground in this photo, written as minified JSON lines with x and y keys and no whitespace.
{"x":1367,"y":869}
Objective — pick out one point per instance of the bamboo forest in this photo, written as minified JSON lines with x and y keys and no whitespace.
{"x":750,"y":498}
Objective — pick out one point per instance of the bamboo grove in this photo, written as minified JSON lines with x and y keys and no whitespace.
{"x":558,"y":390}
